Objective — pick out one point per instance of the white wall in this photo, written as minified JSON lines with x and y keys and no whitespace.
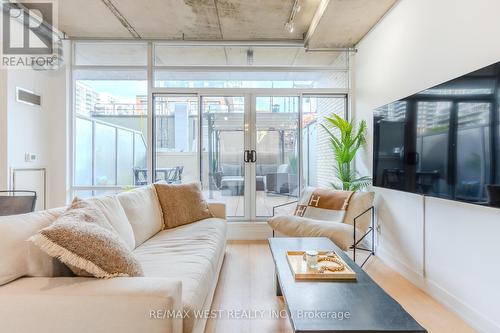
{"x":418,"y":45}
{"x":40,"y":130}
{"x":3,"y":130}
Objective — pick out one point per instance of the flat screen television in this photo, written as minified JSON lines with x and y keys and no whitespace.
{"x":444,"y":141}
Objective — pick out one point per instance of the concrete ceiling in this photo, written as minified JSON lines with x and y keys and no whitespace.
{"x":340,"y":23}
{"x":345,"y":22}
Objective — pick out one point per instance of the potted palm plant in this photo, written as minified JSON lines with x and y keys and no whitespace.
{"x":346,"y":137}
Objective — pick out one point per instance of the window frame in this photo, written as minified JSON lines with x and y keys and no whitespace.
{"x":153,"y":90}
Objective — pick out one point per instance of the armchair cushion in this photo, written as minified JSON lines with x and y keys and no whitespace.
{"x":341,"y":234}
{"x":360,"y":202}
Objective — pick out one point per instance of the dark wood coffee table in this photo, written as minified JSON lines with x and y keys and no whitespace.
{"x":343,"y":306}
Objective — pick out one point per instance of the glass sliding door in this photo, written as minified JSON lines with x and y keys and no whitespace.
{"x":277,"y":147}
{"x":252,"y":150}
{"x":222,"y":151}
{"x":176,"y":122}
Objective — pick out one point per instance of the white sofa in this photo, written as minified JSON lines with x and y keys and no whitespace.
{"x":181,"y":268}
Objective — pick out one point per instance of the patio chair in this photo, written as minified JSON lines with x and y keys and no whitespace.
{"x":140,"y":176}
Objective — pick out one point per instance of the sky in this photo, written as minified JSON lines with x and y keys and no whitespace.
{"x":125,"y":89}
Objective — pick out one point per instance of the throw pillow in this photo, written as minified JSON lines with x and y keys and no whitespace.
{"x":182,"y":203}
{"x":323,"y":204}
{"x":82,"y":239}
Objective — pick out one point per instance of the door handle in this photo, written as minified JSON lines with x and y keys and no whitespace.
{"x":246,"y":156}
{"x":254,"y":156}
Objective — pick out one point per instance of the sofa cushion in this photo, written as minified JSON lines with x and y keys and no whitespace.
{"x":85,"y":241}
{"x":115,"y":214}
{"x":22,"y":258}
{"x":182,"y":203}
{"x":192,"y":253}
{"x":295,"y":226}
{"x":143,"y":212}
{"x":360,"y":202}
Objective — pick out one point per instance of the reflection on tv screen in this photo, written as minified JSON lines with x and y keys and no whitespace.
{"x":443,"y":141}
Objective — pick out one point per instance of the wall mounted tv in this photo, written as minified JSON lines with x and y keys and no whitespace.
{"x":444,"y":141}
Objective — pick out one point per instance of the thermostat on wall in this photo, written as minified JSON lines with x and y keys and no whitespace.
{"x":30,"y":157}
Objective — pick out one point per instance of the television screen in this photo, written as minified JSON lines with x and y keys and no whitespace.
{"x":443,"y":141}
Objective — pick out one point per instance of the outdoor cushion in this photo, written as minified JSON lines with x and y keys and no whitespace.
{"x":143,"y":212}
{"x":283,"y":168}
{"x":231,"y":170}
{"x":265,"y":169}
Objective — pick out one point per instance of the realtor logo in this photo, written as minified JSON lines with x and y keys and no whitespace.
{"x":28,"y":34}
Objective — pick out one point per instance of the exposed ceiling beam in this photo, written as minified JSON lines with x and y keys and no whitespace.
{"x":211,"y":42}
{"x":315,"y":21}
{"x":218,"y":19}
{"x":122,"y":19}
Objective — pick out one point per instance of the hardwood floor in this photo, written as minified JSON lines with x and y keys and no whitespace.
{"x":247,"y":280}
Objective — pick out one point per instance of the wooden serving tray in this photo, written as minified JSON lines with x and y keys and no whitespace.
{"x":302,"y":273}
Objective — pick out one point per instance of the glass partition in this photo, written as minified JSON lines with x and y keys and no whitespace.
{"x":110,"y":130}
{"x":223,"y":145}
{"x":210,"y":105}
{"x":176,"y":138}
{"x":277,"y":147}
{"x":317,"y":156}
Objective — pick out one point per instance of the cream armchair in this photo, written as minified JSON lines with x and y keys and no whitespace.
{"x":350,"y":233}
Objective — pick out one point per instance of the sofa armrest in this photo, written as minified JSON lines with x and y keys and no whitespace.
{"x":79,"y":305}
{"x":218,"y":209}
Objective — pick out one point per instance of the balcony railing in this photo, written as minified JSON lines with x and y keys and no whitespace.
{"x":106,"y":154}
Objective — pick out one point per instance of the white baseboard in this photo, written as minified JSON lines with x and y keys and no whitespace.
{"x":414,"y":276}
{"x":461,"y":309}
{"x":248,"y":231}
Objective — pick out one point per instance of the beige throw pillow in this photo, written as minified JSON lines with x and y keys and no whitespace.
{"x":182,"y":204}
{"x":82,"y":239}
